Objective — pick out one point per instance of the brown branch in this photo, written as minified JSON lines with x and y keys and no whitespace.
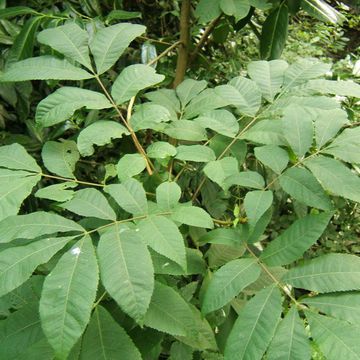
{"x":183,"y":54}
{"x":204,"y":38}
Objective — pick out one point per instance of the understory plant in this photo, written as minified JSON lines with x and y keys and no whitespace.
{"x":153,"y":228}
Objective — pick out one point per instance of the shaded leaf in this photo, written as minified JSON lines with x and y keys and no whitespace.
{"x":99,"y":133}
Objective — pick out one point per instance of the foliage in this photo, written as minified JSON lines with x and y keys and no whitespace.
{"x":146,"y":222}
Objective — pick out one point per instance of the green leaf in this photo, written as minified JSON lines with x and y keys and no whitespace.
{"x":251,"y":179}
{"x":99,"y":133}
{"x":298,"y":129}
{"x":149,"y":116}
{"x":163,"y":236}
{"x":57,"y":192}
{"x":161,"y":150}
{"x":237,"y":8}
{"x":33,"y":225}
{"x":123,"y":15}
{"x":24,"y":42}
{"x":327,"y":124}
{"x":339,"y":87}
{"x":274,"y":33}
{"x":109,"y":43}
{"x":133,"y":79}
{"x":222,"y":236}
{"x":18,"y":263}
{"x":15,"y":157}
{"x":207,"y":10}
{"x":300,"y":184}
{"x":337,"y":339}
{"x":196,"y":153}
{"x":188,"y":89}
{"x":168,"y":195}
{"x":268,"y":75}
{"x":268,"y":132}
{"x":220,"y":171}
{"x":20,"y":331}
{"x":44,"y":68}
{"x":207,"y":100}
{"x":344,"y":306}
{"x":15,"y":11}
{"x":105,"y":339}
{"x":90,"y":202}
{"x":68,"y":295}
{"x":290,"y":341}
{"x":243,"y":93}
{"x":166,"y":98}
{"x":327,"y":273}
{"x":186,"y":130}
{"x":346,"y":146}
{"x":61,"y":104}
{"x":129,"y":282}
{"x":228,"y":281}
{"x":194,"y":259}
{"x":335,"y":177}
{"x":295,"y":240}
{"x":221,"y":121}
{"x":321,"y":10}
{"x":255,"y":326}
{"x":15,"y":187}
{"x":130,"y":165}
{"x":303,"y":70}
{"x":130,"y":195}
{"x":272,"y":156}
{"x":180,"y":351}
{"x":168,"y":311}
{"x":192,"y":215}
{"x":256,"y":203}
{"x":60,"y":158}
{"x":70,"y":40}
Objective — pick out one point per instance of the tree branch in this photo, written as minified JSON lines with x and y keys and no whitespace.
{"x":183,"y":54}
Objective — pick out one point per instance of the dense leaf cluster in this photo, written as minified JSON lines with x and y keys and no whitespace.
{"x":169,"y":253}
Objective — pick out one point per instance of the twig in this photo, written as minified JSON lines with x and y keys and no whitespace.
{"x":153,"y":61}
{"x":204,"y":38}
{"x":71,"y":180}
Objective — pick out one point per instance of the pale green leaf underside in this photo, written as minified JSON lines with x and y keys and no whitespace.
{"x":70,"y":40}
{"x":130,"y":195}
{"x":337,"y":339}
{"x":109,"y":43}
{"x":68,"y":295}
{"x":90,"y":202}
{"x":301,"y":185}
{"x":327,"y":273}
{"x":344,"y":306}
{"x":168,"y":311}
{"x":335,"y":177}
{"x":34,"y":225}
{"x":99,"y":133}
{"x":163,"y":236}
{"x":129,"y":282}
{"x":255,"y":326}
{"x":61,"y":104}
{"x":44,"y":68}
{"x":15,"y":157}
{"x":290,"y":341}
{"x":228,"y":281}
{"x":105,"y":339}
{"x":295,"y":240}
{"x":18,"y":263}
{"x":133,"y":79}
{"x":60,"y":158}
